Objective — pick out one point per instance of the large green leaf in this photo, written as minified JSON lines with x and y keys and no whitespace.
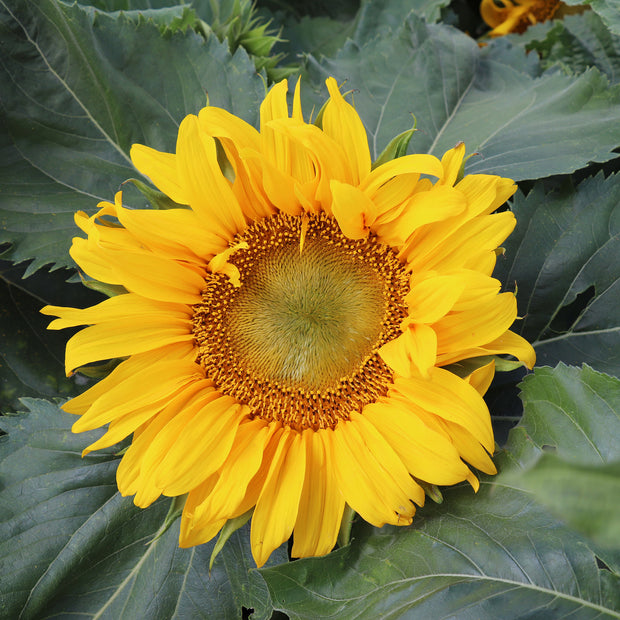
{"x":71,"y":545}
{"x":77,"y":90}
{"x":499,"y":554}
{"x":523,"y":127}
{"x":563,"y":257}
{"x":609,"y":10}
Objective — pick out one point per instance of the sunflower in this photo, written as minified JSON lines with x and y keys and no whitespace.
{"x":505,"y":16}
{"x":287,"y":332}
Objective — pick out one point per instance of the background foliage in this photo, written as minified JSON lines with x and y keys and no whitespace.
{"x":81,"y":82}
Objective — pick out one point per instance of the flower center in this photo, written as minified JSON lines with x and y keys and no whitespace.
{"x":540,"y":11}
{"x":297,"y":340}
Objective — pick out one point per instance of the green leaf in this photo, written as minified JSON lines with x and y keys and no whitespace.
{"x":573,"y":416}
{"x":574,"y":44}
{"x":609,"y":10}
{"x":499,"y":554}
{"x":320,"y":36}
{"x":382,"y":19}
{"x":575,"y":411}
{"x":563,"y":257}
{"x":77,"y":91}
{"x":587,"y":497}
{"x":523,"y":127}
{"x":71,"y":545}
{"x":31,"y":357}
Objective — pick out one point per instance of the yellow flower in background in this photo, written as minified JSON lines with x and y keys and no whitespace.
{"x":505,"y":16}
{"x":285,"y":336}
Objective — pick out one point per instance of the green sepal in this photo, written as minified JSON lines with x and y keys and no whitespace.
{"x":174,"y":512}
{"x":98,"y":371}
{"x":461,"y":173}
{"x":431,"y":490}
{"x":464,"y":368}
{"x":223,"y":162}
{"x":157,"y":199}
{"x":110,"y":290}
{"x":230,"y":527}
{"x":344,"y":535}
{"x":397,"y":147}
{"x":318,"y":121}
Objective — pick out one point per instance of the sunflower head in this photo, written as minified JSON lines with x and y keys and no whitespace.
{"x":288,"y":331}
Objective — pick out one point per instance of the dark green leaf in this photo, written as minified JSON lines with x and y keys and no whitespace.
{"x":575,"y":411}
{"x":78,"y":90}
{"x":575,"y":43}
{"x":587,"y":497}
{"x":495,"y":555}
{"x":563,"y":257}
{"x":71,"y":545}
{"x":523,"y":127}
{"x":31,"y":357}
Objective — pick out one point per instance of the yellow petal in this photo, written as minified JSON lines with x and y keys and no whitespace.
{"x":161,"y":168}
{"x":321,"y":505}
{"x":427,"y":454}
{"x":342,"y":123}
{"x":415,"y":348}
{"x":119,"y":308}
{"x":432,"y":298}
{"x":274,"y":105}
{"x":435,"y":205}
{"x":452,"y":161}
{"x":211,"y":195}
{"x":114,"y":339}
{"x":508,"y":343}
{"x":186,"y":409}
{"x":451,"y":398}
{"x":140,"y":272}
{"x":469,"y":448}
{"x":482,"y":377}
{"x":220,"y":123}
{"x":242,"y":464}
{"x":380,"y":491}
{"x":129,"y":475}
{"x":278,"y":503}
{"x":188,"y":462}
{"x":408,"y":164}
{"x":353,"y":211}
{"x":463,"y":248}
{"x":176,"y":233}
{"x":193,"y":531}
{"x":125,"y":370}
{"x":151,"y":385}
{"x":515,"y":345}
{"x":476,"y":327}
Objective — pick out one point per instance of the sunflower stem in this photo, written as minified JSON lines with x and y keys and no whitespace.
{"x":344,"y":535}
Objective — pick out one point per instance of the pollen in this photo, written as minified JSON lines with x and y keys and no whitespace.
{"x":297,"y":339}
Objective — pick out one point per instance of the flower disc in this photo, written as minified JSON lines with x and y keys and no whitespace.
{"x":298,"y":338}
